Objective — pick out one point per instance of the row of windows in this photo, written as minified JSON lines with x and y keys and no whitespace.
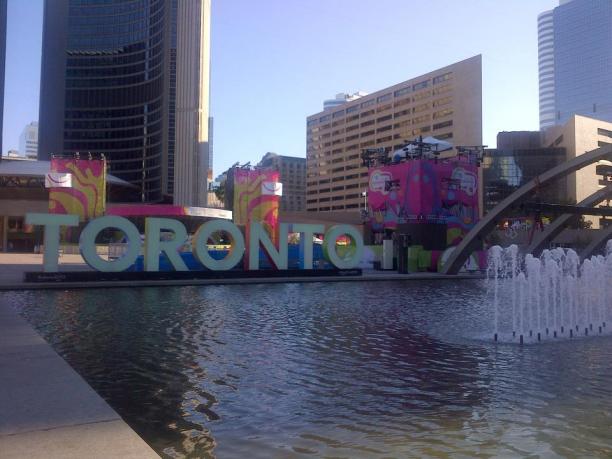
{"x":116,"y":97}
{"x":333,"y":198}
{"x":119,"y":144}
{"x":416,"y":120}
{"x":114,"y":113}
{"x":389,"y":96}
{"x":327,"y":208}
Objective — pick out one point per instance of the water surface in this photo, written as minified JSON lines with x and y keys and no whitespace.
{"x":334,"y":370}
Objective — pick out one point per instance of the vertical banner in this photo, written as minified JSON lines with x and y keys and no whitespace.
{"x":256,"y":199}
{"x":78,"y":187}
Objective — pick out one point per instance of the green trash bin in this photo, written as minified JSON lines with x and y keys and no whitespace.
{"x":413,"y":258}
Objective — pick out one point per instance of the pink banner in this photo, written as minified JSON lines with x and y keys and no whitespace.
{"x":425,"y":190}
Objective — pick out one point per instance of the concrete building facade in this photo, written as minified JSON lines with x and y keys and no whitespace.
{"x":520,"y":157}
{"x":579,"y":135}
{"x":293,"y":177}
{"x":575,"y":61}
{"x":130,"y":80}
{"x":445,"y":103}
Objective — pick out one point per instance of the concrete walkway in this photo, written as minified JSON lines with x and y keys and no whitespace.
{"x":12,"y":267}
{"x":47,"y":410}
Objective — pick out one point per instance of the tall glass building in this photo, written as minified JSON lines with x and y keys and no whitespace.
{"x":575,"y":61}
{"x":111,"y":78}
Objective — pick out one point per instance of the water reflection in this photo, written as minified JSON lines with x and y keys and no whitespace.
{"x":328,"y":370}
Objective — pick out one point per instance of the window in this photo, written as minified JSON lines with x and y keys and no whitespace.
{"x":420,"y":119}
{"x":448,"y":135}
{"x":443,"y":113}
{"x":443,"y":101}
{"x":402,"y":113}
{"x":401,"y":102}
{"x":604,"y":132}
{"x":421,"y":85}
{"x":339,"y":114}
{"x":352,"y":109}
{"x":442,"y":78}
{"x":367,"y":133}
{"x":368,"y":123}
{"x":383,"y":108}
{"x":384,"y":128}
{"x":443,"y":124}
{"x":403,"y":91}
{"x":338,"y":188}
{"x":368,"y":103}
{"x":311,"y":122}
{"x":442,"y":89}
{"x":382,"y":119}
{"x":324,"y":118}
{"x":422,"y":95}
{"x":352,"y":118}
{"x":384,"y":98}
{"x":367,"y":113}
{"x":421,"y":108}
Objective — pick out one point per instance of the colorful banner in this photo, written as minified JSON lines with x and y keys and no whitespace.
{"x":86,"y":197}
{"x":256,"y":197}
{"x":425,"y":191}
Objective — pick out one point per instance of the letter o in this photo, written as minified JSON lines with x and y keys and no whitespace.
{"x":87,"y":243}
{"x":201,"y":248}
{"x":329,"y":246}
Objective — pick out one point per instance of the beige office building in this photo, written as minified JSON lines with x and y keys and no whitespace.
{"x":445,"y":103}
{"x":579,"y":135}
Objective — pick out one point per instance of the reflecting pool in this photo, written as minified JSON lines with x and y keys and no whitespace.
{"x":343,"y":370}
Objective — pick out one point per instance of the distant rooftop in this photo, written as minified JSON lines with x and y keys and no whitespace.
{"x":22,"y":167}
{"x":342,"y":98}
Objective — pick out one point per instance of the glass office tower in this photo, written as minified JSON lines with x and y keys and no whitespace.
{"x":575,"y":61}
{"x":109,"y":86}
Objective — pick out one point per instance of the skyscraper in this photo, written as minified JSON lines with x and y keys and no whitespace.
{"x":3,"y":6}
{"x":575,"y":61}
{"x":28,"y":141}
{"x":130,"y":80}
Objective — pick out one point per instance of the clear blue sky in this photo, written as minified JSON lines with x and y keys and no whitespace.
{"x":275,"y":61}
